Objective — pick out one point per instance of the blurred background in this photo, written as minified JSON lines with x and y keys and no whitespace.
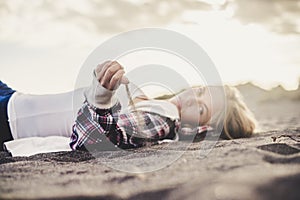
{"x":43,"y":43}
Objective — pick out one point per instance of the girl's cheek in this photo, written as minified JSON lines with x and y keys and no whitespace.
{"x":193,"y":115}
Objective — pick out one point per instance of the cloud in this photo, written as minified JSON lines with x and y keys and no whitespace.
{"x":281,"y":16}
{"x":114,"y":16}
{"x":106,"y":16}
{"x":119,"y":15}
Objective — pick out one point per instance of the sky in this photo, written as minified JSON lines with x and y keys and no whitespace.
{"x":43,"y":43}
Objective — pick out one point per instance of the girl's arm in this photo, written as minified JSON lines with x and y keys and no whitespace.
{"x":106,"y":129}
{"x":99,"y":123}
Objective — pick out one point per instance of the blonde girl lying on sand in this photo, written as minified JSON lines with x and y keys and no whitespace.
{"x":100,"y":124}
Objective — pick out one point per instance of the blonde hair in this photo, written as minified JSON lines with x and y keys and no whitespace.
{"x":237,"y":119}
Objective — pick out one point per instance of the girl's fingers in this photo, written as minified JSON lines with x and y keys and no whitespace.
{"x":115,"y":80}
{"x":109,"y":73}
{"x":101,"y":68}
{"x":108,"y":66}
{"x":124,"y":80}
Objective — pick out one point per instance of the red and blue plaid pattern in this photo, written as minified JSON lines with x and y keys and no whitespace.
{"x":107,"y":129}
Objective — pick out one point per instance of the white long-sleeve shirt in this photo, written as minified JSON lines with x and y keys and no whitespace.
{"x":43,"y":115}
{"x":55,"y":114}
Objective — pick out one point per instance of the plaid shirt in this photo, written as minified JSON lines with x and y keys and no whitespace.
{"x":107,"y":129}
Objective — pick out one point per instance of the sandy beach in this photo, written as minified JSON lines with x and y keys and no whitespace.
{"x":265,"y":166}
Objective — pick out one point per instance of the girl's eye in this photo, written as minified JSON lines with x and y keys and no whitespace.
{"x":201,"y":110}
{"x":201,"y":90}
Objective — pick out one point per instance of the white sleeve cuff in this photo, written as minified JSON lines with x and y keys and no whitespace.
{"x":99,"y":96}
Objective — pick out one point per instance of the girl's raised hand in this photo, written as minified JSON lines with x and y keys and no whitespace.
{"x":110,"y":75}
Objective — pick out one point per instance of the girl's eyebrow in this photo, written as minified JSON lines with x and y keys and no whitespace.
{"x":206,"y":108}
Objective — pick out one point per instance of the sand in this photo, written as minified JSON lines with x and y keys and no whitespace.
{"x":265,"y":166}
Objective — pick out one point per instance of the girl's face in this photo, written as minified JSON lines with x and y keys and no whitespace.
{"x":196,"y":105}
